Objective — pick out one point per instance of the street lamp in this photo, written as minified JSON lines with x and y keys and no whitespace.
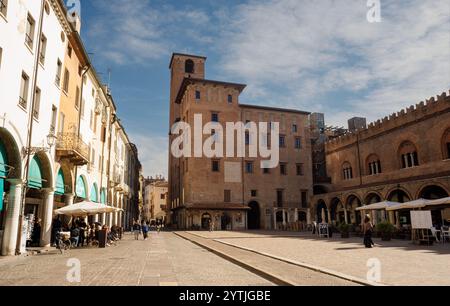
{"x":51,"y":140}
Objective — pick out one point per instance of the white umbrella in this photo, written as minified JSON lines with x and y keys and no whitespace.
{"x":86,"y":209}
{"x":420,"y":203}
{"x":443,"y":201}
{"x":378,"y":206}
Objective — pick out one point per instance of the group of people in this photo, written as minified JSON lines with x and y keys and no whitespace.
{"x":144,"y":228}
{"x":84,"y":234}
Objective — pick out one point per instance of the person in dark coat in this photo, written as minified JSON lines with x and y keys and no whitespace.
{"x":36,"y":235}
{"x":368,"y":231}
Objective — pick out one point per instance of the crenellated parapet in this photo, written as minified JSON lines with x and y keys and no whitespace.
{"x":413,"y":113}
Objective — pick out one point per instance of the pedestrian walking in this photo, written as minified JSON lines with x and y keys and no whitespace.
{"x":136,"y":230}
{"x":145,"y":230}
{"x":368,"y":231}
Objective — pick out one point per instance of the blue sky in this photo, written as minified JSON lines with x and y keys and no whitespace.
{"x":312,"y":55}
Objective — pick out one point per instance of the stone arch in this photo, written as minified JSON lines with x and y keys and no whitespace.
{"x":82,"y":189}
{"x":46,"y":168}
{"x":337,"y":210}
{"x":372,"y":197}
{"x":432,"y":191}
{"x":398,"y":194}
{"x":14,"y":166}
{"x":352,"y":202}
{"x":321,"y":208}
{"x":68,"y":177}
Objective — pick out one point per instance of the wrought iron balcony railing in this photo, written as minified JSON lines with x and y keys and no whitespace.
{"x":70,"y":145}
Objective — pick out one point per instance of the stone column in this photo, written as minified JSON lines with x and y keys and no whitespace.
{"x":296,"y":215}
{"x":12,"y":218}
{"x":284,"y":217}
{"x":68,"y":200}
{"x":275,"y":219}
{"x":391,"y":217}
{"x":329,"y":216}
{"x":48,"y":217}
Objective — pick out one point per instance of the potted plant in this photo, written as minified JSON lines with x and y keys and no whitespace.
{"x":386,"y":230}
{"x":344,"y":228}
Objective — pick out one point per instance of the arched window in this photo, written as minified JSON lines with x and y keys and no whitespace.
{"x":373,"y":165}
{"x":446,"y":144}
{"x":347,"y":171}
{"x":189,"y":66}
{"x":408,"y":155}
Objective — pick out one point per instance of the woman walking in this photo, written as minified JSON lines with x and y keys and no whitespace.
{"x":368,"y":230}
{"x":137,"y":230}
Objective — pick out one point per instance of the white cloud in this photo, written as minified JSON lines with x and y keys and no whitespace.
{"x":299,"y":53}
{"x":153,"y":153}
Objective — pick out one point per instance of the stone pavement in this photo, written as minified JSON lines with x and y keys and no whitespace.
{"x":278,"y":271}
{"x":402,"y":263}
{"x":164,"y":259}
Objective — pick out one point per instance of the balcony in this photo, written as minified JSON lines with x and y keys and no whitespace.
{"x":70,"y":146}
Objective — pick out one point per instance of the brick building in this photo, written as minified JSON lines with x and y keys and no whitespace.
{"x":200,"y":192}
{"x":405,"y":156}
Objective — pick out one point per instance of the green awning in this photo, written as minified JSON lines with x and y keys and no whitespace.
{"x":94,"y":195}
{"x":3,"y":171}
{"x":103,"y":196}
{"x":35,"y":174}
{"x":81,"y":188}
{"x":3,"y":160}
{"x":60,"y":186}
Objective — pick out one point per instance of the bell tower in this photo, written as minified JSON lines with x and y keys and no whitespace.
{"x":181,"y":66}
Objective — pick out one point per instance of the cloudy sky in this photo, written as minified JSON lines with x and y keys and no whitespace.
{"x":314,"y":55}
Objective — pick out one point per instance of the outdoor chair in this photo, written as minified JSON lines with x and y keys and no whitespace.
{"x":434,"y":234}
{"x":445,"y":234}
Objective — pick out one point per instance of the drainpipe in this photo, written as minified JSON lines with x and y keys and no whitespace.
{"x":81,"y":108}
{"x":30,"y":129}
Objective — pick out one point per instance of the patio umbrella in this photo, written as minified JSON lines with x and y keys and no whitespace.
{"x":443,"y":201}
{"x":378,"y":206}
{"x":86,"y":209}
{"x":420,"y":203}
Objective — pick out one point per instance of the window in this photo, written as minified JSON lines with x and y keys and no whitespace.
{"x":215,"y":166}
{"x":54,"y":114}
{"x":69,"y":50}
{"x":82,"y":108}
{"x":61,"y":122}
{"x":298,"y":142}
{"x":247,"y":138}
{"x":215,"y":117}
{"x":347,"y":171}
{"x":304,"y":199}
{"x":446,"y":144}
{"x":23,"y":98}
{"x":77,"y":98}
{"x":254,"y":193}
{"x":3,"y":7}
{"x":163,"y":196}
{"x":227,"y":196}
{"x":37,"y":104}
{"x":43,"y":49}
{"x":29,"y":35}
{"x":189,"y":66}
{"x":300,"y":169}
{"x":294,"y":128}
{"x":280,"y":197}
{"x":66,"y":81}
{"x":283,"y":168}
{"x":408,"y":155}
{"x":58,"y":73}
{"x":282,"y":141}
{"x":373,"y":165}
{"x":230,"y":99}
{"x":197,"y":95}
{"x":249,"y":167}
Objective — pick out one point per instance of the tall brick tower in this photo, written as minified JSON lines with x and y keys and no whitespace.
{"x":181,"y":66}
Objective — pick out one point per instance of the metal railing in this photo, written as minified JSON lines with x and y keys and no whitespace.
{"x":72,"y":142}
{"x":3,"y":7}
{"x":29,"y":41}
{"x":23,"y":102}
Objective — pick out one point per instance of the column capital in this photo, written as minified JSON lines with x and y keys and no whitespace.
{"x":48,"y":190}
{"x":16,"y":182}
{"x":69,"y":195}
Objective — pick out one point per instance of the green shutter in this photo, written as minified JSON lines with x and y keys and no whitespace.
{"x":2,"y":186}
{"x":94,"y":197}
{"x":60,"y":190}
{"x":103,"y":196}
{"x":35,"y":174}
{"x":81,"y":188}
